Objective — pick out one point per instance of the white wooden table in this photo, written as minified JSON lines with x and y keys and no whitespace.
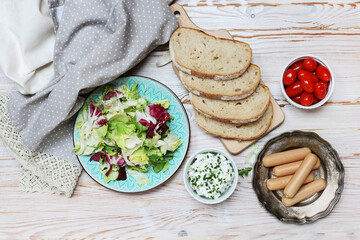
{"x":277,"y":31}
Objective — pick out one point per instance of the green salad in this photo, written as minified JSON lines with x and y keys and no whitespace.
{"x":126,"y":134}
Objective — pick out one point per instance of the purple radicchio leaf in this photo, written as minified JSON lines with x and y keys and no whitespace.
{"x":108,"y":172}
{"x":96,"y":116}
{"x":151,"y":128}
{"x":162,"y":128}
{"x":159,"y":113}
{"x":144,"y":122}
{"x":122,"y":174}
{"x":115,"y":93}
{"x":116,"y":160}
{"x":97,"y":156}
{"x":121,"y":162}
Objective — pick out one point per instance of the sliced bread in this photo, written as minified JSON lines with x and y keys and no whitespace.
{"x":235,"y":89}
{"x":246,"y":110}
{"x":197,"y":53}
{"x":246,"y":131}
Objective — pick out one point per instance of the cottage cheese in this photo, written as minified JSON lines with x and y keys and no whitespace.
{"x":210,"y":174}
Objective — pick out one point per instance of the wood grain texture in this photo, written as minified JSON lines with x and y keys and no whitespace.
{"x":278,"y":32}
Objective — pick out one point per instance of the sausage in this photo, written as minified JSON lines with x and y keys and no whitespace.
{"x":305,"y":192}
{"x":290,"y":168}
{"x":285,"y":157}
{"x":301,"y":173}
{"x":274,"y":184}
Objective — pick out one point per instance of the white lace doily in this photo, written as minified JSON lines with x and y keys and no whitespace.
{"x":40,"y":172}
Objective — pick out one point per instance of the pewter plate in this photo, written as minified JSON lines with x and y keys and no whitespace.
{"x":331,"y":169}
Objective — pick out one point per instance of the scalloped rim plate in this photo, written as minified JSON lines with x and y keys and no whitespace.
{"x":152,"y":90}
{"x":315,"y":207}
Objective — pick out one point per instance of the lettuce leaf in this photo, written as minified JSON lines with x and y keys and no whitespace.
{"x":120,"y":131}
{"x":83,"y":115}
{"x":109,"y":172}
{"x":170,"y":143}
{"x":111,"y":150}
{"x":86,"y":146}
{"x":166,"y":166}
{"x":164,"y":103}
{"x":151,"y":142}
{"x":139,"y":157}
{"x":157,"y":160}
{"x":118,"y":116}
{"x":140,"y":178}
{"x":130,"y":93}
{"x":81,"y":148}
{"x":138,"y":169}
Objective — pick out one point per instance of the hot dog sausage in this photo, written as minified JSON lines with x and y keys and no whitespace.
{"x":300,"y":175}
{"x":285,"y":157}
{"x":305,"y":192}
{"x":274,"y":184}
{"x":290,"y":168}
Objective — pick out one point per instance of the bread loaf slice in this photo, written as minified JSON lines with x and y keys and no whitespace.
{"x":246,"y":131}
{"x":235,"y":89}
{"x":246,"y":110}
{"x":197,"y":53}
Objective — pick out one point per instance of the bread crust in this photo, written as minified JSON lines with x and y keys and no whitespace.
{"x":233,"y":120}
{"x":202,"y":74}
{"x":242,"y":139}
{"x":226,"y":120}
{"x":198,"y":92}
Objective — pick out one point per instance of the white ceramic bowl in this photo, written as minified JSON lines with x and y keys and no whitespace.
{"x":226,"y":193}
{"x":330,"y":87}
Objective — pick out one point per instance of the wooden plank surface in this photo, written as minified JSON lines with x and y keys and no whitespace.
{"x":277,"y":31}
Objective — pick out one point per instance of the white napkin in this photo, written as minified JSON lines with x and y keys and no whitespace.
{"x":27,"y":43}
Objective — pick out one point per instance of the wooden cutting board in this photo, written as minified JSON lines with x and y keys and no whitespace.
{"x":233,"y":146}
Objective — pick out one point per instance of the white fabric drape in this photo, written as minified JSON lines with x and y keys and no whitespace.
{"x":27,"y":41}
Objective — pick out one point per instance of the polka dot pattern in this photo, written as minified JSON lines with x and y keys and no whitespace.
{"x":96,"y":41}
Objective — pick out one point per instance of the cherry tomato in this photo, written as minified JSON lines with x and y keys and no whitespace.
{"x":307,"y":84}
{"x":294,"y":90}
{"x":306,"y":99}
{"x":314,"y":78}
{"x":320,"y":90}
{"x":303,"y":73}
{"x":316,"y":100}
{"x":298,"y":66}
{"x":326,"y":85}
{"x":310,"y":64}
{"x":289,"y":77}
{"x":323,"y":73}
{"x":296,"y":99}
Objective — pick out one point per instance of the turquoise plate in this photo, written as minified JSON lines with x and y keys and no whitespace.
{"x":153,"y":91}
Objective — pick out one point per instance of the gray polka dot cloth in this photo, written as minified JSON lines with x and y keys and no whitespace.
{"x":96,"y":42}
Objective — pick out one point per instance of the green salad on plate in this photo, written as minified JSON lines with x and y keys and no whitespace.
{"x":126,"y":134}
